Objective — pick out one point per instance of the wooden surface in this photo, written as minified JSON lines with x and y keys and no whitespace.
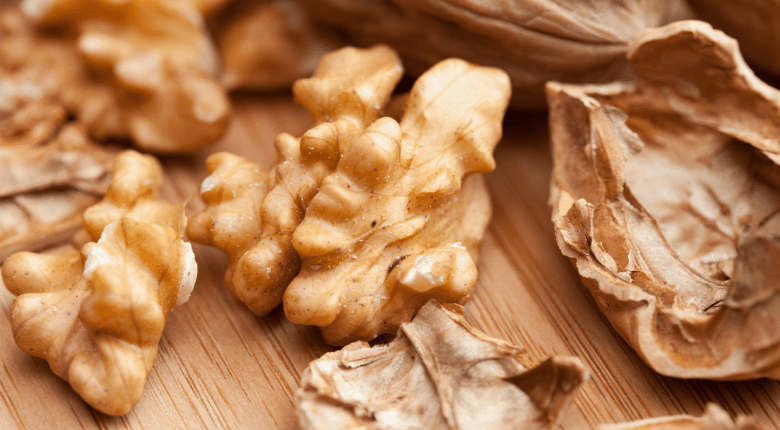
{"x":219,"y":366}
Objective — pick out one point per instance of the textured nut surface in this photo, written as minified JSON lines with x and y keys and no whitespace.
{"x":97,"y":316}
{"x":392,"y":226}
{"x":666,"y":193}
{"x":533,"y":41}
{"x":142,"y":70}
{"x":251,"y":213}
{"x":714,"y":418}
{"x":438,"y":373}
{"x":134,"y":193}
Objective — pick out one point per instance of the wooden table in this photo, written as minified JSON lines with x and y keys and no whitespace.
{"x":219,"y":366}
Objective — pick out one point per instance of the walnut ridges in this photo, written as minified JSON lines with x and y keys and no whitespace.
{"x":396,"y":224}
{"x":251,"y":213}
{"x":666,"y":194}
{"x":533,"y":41}
{"x":139,"y":70}
{"x":439,"y":373}
{"x":97,"y":315}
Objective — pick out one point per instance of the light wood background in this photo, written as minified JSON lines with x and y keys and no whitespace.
{"x":219,"y":366}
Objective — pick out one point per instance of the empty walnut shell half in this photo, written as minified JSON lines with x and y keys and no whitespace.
{"x":666,"y":194}
{"x":533,"y":41}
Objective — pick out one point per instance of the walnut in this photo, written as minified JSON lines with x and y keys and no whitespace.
{"x":98,"y":315}
{"x":533,"y":41}
{"x":251,"y":214}
{"x":49,"y":170}
{"x":714,"y":418}
{"x":265,"y":45}
{"x":136,"y":69}
{"x":392,"y":227}
{"x":438,"y":373}
{"x":666,"y":194}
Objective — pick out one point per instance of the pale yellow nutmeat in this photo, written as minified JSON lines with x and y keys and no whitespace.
{"x":252,"y":214}
{"x":97,"y":316}
{"x":134,"y":193}
{"x":396,"y":224}
{"x":143,"y":69}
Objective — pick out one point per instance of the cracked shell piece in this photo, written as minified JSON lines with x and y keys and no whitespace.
{"x":46,"y":181}
{"x":251,"y":214}
{"x":438,"y":373}
{"x":97,"y":316}
{"x":393,"y":226}
{"x":714,"y":418}
{"x":666,"y":195}
{"x":135,"y":69}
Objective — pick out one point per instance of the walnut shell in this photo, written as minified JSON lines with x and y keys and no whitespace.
{"x":666,"y":194}
{"x":533,"y":41}
{"x":438,"y":373}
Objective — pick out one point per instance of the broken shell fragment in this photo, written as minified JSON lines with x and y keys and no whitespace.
{"x":438,"y":373}
{"x":666,"y":195}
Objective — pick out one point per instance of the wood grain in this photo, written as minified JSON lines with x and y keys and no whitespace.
{"x":219,"y":366}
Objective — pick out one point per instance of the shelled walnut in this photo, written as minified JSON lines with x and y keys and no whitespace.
{"x":394,"y":225}
{"x":438,"y":373}
{"x":533,"y":41}
{"x":97,"y":315}
{"x":714,"y":418}
{"x":251,"y":214}
{"x":666,"y":194}
{"x":388,"y":195}
{"x":143,"y":70}
{"x":264,"y":45}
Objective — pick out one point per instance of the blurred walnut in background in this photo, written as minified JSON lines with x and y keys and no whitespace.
{"x":138,"y":70}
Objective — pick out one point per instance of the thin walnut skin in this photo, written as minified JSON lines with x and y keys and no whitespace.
{"x":139,"y":70}
{"x":438,"y":373}
{"x":97,"y":315}
{"x":46,"y":185}
{"x":666,"y":194}
{"x":714,"y":418}
{"x":533,"y":41}
{"x":393,"y":226}
{"x":252,"y":214}
{"x":50,"y":171}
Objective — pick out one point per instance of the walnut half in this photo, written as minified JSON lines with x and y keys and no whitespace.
{"x":97,"y":315}
{"x":396,"y":223}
